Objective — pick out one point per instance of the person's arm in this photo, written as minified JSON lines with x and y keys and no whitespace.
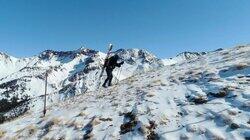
{"x":119,"y":64}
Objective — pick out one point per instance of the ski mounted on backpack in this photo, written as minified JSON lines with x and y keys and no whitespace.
{"x":105,"y":62}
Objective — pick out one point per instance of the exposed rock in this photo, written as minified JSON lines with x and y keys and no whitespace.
{"x":130,"y":125}
{"x":220,"y":94}
{"x":234,"y":126}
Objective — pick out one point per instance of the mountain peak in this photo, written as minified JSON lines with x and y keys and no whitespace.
{"x":2,"y":54}
{"x":47,"y":54}
{"x":190,"y":55}
{"x":138,"y":54}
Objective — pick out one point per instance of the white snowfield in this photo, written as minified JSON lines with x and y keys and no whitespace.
{"x":205,"y":97}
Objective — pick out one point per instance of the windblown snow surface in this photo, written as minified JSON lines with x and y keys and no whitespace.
{"x":202,"y":98}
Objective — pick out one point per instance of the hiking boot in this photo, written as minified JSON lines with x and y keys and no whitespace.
{"x":104,"y":86}
{"x":110,"y":85}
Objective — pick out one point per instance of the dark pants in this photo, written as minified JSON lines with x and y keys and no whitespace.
{"x":109,"y":78}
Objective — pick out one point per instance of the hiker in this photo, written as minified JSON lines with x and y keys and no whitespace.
{"x":110,"y":65}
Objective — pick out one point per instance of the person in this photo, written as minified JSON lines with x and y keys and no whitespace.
{"x":110,"y":65}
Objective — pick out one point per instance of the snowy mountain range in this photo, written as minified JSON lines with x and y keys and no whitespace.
{"x":69,"y":73}
{"x":191,"y":96}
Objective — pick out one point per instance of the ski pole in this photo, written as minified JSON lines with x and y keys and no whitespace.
{"x":45,"y":93}
{"x":119,"y":74}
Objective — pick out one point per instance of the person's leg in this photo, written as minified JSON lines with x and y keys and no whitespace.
{"x":104,"y":84}
{"x":110,"y":79}
{"x":110,"y":76}
{"x":107,"y":79}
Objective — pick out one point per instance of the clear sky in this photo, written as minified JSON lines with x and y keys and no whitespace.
{"x":164,"y":27}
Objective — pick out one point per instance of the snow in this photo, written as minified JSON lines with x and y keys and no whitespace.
{"x":203,"y":97}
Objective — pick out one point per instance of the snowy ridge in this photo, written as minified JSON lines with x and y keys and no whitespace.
{"x":202,"y":98}
{"x":185,"y":56}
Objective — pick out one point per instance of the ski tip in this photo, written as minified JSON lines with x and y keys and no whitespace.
{"x":110,"y":46}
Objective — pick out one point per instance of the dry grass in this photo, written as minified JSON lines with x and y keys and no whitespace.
{"x":32,"y":129}
{"x":164,"y":120}
{"x":81,"y":114}
{"x":95,"y":121}
{"x":75,"y":124}
{"x":155,"y":83}
{"x":56,"y":121}
{"x":199,"y":114}
{"x":150,"y":95}
{"x":232,"y":112}
{"x":2,"y":133}
{"x":241,"y":66}
{"x":28,"y":131}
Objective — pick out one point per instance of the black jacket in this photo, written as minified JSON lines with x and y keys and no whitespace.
{"x":111,"y":63}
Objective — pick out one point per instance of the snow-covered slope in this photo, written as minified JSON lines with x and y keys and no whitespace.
{"x":69,"y":73}
{"x":11,"y":64}
{"x":185,"y":56}
{"x":202,"y":98}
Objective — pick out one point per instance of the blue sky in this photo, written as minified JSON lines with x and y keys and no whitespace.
{"x":164,"y":27}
